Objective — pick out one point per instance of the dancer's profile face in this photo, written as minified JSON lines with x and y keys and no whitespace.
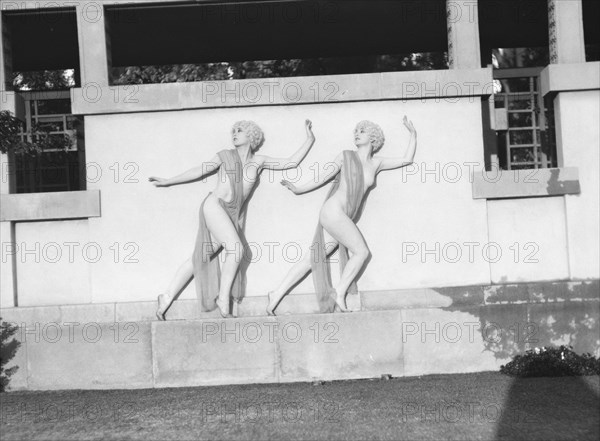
{"x":361,"y":136}
{"x":239,"y":137}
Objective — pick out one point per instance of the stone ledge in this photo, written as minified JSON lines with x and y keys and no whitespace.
{"x":501,"y":184}
{"x":570,"y":77}
{"x":50,"y":206}
{"x":295,"y":304}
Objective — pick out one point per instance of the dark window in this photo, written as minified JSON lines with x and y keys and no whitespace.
{"x":55,"y":167}
{"x":591,"y":30}
{"x":41,"y":49}
{"x":42,"y":63}
{"x":524,"y":121}
{"x":514,"y":42}
{"x":195,"y":42}
{"x":514,"y":32}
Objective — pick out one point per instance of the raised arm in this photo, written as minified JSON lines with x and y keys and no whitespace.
{"x":193,"y":174}
{"x":324,"y":174}
{"x":407,"y":159}
{"x":294,"y":160}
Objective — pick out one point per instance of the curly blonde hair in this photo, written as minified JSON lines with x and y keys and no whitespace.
{"x":375,"y":134}
{"x":254,"y":133}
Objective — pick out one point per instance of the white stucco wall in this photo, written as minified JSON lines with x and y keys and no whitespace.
{"x":54,"y":261}
{"x":157,"y":227}
{"x":421,"y":223}
{"x":528,"y":239}
{"x":577,"y":116}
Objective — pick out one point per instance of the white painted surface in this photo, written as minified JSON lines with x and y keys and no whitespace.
{"x":53,"y":262}
{"x":158,"y":226}
{"x":527,"y":239}
{"x":577,"y":116}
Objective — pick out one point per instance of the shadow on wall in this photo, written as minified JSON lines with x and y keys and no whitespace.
{"x":507,"y":333}
{"x":550,"y":408}
{"x":516,"y":318}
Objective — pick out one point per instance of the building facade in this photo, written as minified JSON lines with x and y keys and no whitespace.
{"x":496,"y":219}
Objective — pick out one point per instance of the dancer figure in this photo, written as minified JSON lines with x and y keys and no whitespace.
{"x":355,"y":173}
{"x":222,"y":218}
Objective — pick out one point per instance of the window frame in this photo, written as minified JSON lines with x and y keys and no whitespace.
{"x":78,"y":147}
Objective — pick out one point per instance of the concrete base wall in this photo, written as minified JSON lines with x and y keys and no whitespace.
{"x":469,"y":329}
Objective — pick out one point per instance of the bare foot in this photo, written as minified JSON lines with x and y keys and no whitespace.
{"x":223,"y":309}
{"x":162,"y":309}
{"x":340,"y":301}
{"x":270,"y":307}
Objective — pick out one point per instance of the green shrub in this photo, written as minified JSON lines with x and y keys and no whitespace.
{"x":552,"y":362}
{"x":8,"y":349}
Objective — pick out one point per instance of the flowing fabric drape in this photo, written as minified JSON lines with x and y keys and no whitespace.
{"x":352,"y":173}
{"x":207,"y":272}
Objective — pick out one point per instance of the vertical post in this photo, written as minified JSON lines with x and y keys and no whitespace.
{"x":565,"y":29}
{"x":93,"y":53}
{"x":5,"y":58}
{"x":7,"y":242}
{"x":463,"y":34}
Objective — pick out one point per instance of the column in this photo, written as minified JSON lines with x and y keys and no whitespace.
{"x":7,"y":102}
{"x":93,"y":53}
{"x":565,"y":28}
{"x":463,"y":34}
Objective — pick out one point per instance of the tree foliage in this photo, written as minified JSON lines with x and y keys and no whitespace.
{"x":8,"y":349}
{"x":277,"y":68}
{"x":39,"y":138}
{"x":43,"y":80}
{"x":171,"y":73}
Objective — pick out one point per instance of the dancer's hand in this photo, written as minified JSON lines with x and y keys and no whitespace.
{"x":158,"y":182}
{"x":409,"y":125}
{"x":289,"y":186}
{"x":308,"y":127}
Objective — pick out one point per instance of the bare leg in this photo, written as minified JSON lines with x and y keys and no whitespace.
{"x":296,"y":273}
{"x":341,"y":227}
{"x":224,"y":233}
{"x":181,"y":278}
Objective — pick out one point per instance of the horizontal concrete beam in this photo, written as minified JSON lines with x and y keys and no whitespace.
{"x":47,"y":206}
{"x":92,"y":5}
{"x":570,"y":77}
{"x":526,"y":183}
{"x":93,"y":99}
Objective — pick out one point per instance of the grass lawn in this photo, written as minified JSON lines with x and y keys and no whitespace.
{"x":481,"y":406}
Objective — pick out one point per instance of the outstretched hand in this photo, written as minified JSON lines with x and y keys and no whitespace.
{"x":289,"y":186}
{"x":409,"y":125}
{"x":158,"y":182}
{"x":308,"y":127}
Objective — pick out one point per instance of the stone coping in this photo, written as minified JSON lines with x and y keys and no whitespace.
{"x":50,"y":206}
{"x":570,"y":77}
{"x":299,"y":304}
{"x":499,"y":184}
